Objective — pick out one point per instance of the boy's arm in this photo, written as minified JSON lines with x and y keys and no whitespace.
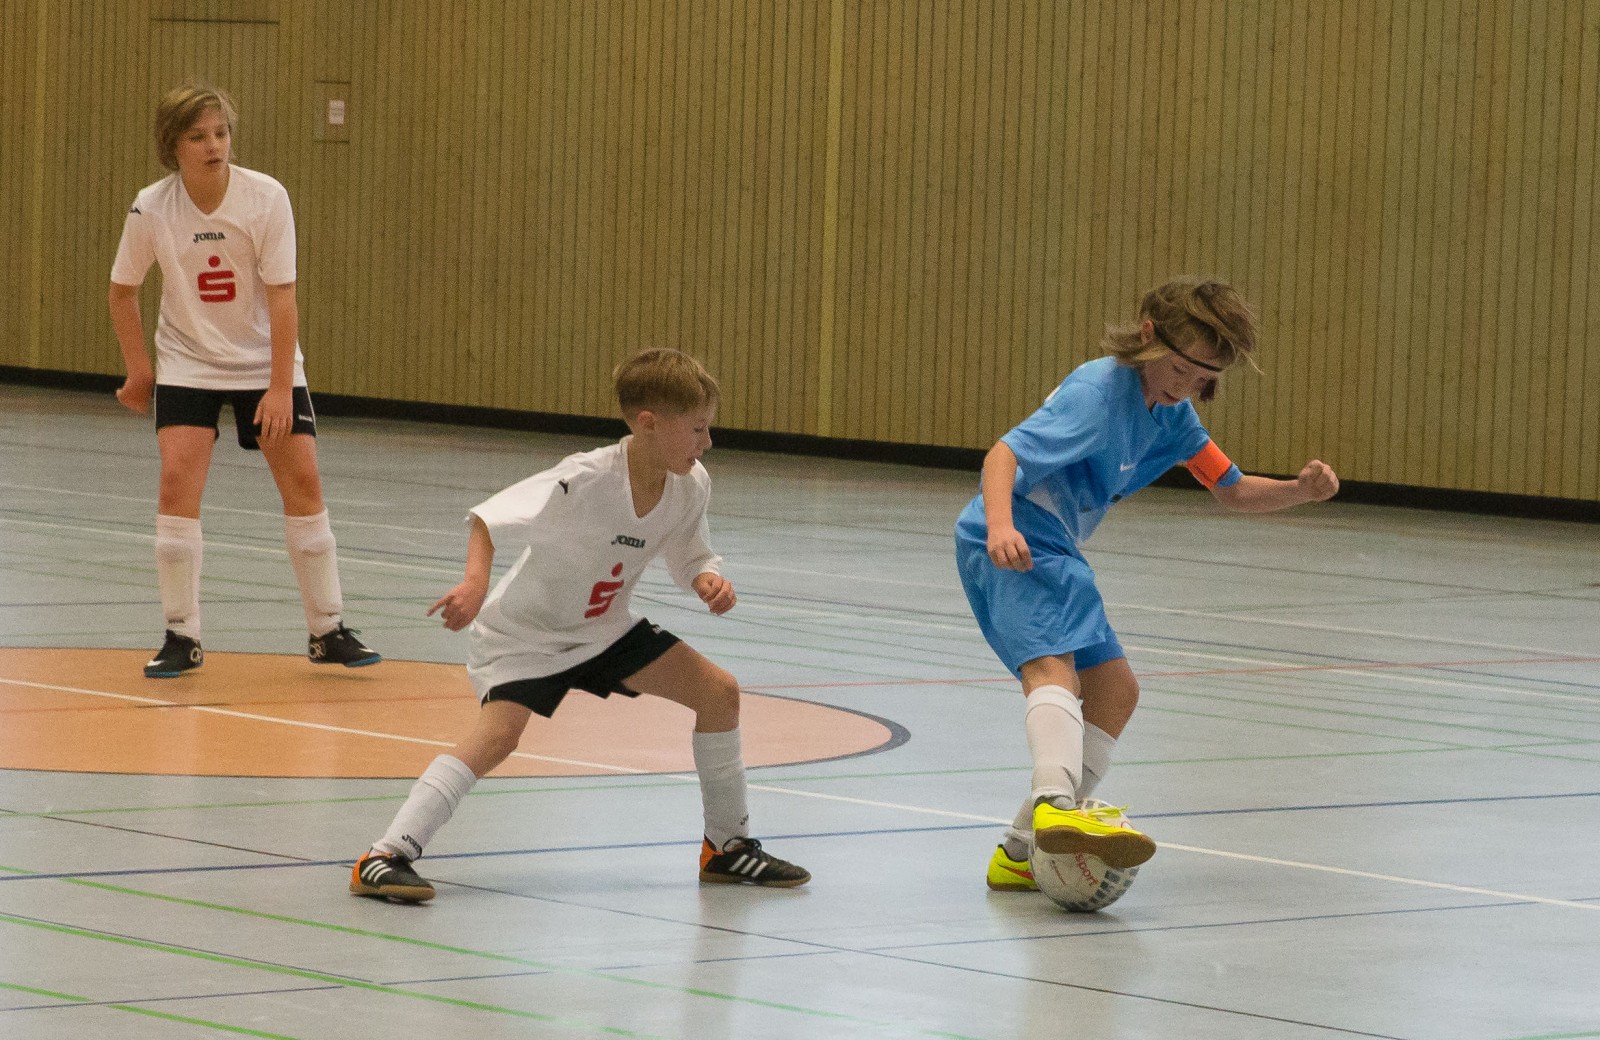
{"x":275,"y":412}
{"x":123,"y":300}
{"x":715,"y":591}
{"x":462,"y":603}
{"x":1317,"y":482}
{"x":1007,"y":547}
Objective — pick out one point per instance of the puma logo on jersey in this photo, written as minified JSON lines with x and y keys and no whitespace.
{"x":564,"y":488}
{"x":622,"y":539}
{"x":208,"y":236}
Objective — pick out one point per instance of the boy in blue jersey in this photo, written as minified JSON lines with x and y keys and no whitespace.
{"x":1112,"y":427}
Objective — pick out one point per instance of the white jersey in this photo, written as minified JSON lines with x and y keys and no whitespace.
{"x":581,"y":551}
{"x":213,"y":331}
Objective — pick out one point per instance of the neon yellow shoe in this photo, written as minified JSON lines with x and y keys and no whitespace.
{"x":1096,"y":831}
{"x":1010,"y":875}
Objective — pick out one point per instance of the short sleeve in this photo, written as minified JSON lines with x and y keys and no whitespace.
{"x":276,"y":248}
{"x":1212,"y":468}
{"x":510,"y":515}
{"x":136,"y":252}
{"x":1069,"y":427}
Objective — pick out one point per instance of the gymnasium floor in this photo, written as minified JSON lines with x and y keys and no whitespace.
{"x":1369,"y":745}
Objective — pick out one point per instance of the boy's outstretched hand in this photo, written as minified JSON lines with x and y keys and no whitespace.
{"x":460,"y":605}
{"x":1318,"y":482}
{"x":715,"y":591}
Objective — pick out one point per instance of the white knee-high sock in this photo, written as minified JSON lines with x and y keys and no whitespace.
{"x":179,"y":549}
{"x":1055,"y":739}
{"x":432,"y":802}
{"x":316,"y":568}
{"x":1097,"y":748}
{"x":1018,"y":839}
{"x":719,"y":759}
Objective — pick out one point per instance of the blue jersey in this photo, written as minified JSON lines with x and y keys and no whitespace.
{"x":1093,"y":442}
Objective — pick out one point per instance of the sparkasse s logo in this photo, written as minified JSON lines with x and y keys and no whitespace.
{"x":217,"y":286}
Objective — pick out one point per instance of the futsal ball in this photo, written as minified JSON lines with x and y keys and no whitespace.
{"x":1080,"y":882}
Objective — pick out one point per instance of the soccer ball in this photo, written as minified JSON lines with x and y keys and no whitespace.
{"x":1081,"y":883}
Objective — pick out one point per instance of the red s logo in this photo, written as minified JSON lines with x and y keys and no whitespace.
{"x":603,"y":593}
{"x":217,"y":286}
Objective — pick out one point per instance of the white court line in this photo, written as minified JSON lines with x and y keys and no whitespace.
{"x":212,"y":543}
{"x":855,"y":620}
{"x":1379,"y":670}
{"x":797,"y":612}
{"x":1515,"y":897}
{"x":302,"y":724}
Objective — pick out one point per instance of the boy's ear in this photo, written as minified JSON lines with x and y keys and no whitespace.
{"x":644,"y":419}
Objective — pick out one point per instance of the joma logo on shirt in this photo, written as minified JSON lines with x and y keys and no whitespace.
{"x":622,"y":539}
{"x":210,"y":236}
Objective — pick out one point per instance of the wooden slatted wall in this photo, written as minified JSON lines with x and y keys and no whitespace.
{"x":892,"y":221}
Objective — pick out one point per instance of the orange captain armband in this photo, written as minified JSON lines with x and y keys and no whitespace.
{"x":1209,"y":465}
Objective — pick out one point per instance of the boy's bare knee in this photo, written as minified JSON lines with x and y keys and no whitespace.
{"x":720,"y":701}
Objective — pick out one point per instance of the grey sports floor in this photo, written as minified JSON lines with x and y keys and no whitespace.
{"x":1369,"y":746}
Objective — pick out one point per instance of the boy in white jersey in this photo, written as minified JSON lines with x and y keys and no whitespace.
{"x":1113,"y":425}
{"x":228,"y":332}
{"x":582,"y":533}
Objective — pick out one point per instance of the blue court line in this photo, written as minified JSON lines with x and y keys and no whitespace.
{"x":876,"y":832}
{"x":1244,"y":923}
{"x":1316,"y":655}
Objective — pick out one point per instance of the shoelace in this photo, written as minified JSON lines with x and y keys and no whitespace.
{"x":1105,"y":813}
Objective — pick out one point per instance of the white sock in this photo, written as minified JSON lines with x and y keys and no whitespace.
{"x":179,"y":549}
{"x":719,"y":759}
{"x":1054,"y":723}
{"x":432,"y":802}
{"x":1097,"y":748}
{"x":316,"y":568}
{"x":1018,"y":840}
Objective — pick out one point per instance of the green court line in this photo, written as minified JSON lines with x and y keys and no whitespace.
{"x":891,"y":1027}
{"x":300,"y":973}
{"x":163,"y":1015}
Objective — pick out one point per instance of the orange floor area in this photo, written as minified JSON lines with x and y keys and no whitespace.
{"x":273,"y":715}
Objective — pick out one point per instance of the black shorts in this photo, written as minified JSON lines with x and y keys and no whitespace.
{"x":192,"y":406}
{"x":601,"y":675}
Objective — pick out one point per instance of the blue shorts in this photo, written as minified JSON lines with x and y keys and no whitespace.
{"x":1049,"y":611}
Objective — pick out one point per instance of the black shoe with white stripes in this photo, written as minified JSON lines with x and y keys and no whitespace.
{"x":744,"y":862}
{"x":388,"y":877}
{"x":341,"y":647}
{"x":176,"y":656}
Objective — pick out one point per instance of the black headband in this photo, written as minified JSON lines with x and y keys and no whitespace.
{"x":1162,"y":336}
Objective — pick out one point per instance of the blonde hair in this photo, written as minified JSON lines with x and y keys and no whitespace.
{"x":1188,"y":312}
{"x":663,"y":380}
{"x":180,"y":109}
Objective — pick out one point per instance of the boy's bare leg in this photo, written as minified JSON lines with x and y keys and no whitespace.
{"x":1110,"y":694}
{"x":728,"y":854}
{"x":684,"y":676}
{"x":448,"y":778}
